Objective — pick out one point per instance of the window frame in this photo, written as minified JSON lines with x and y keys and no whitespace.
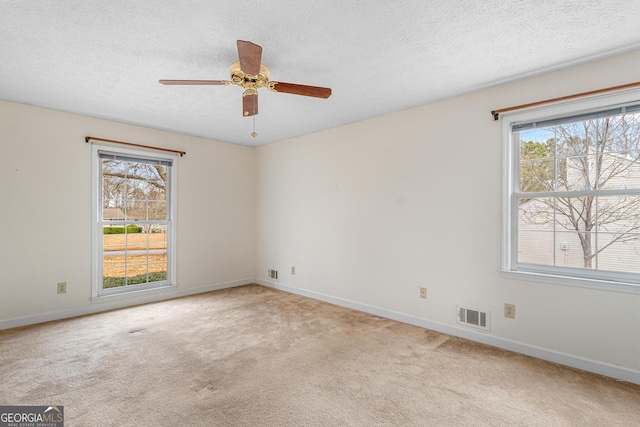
{"x":98,"y":292}
{"x":618,"y":282}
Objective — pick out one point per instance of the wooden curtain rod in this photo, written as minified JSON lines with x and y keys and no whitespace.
{"x":89,"y":138}
{"x":496,"y":113}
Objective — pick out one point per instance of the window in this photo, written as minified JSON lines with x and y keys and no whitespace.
{"x":133,"y":227}
{"x":572,"y":193}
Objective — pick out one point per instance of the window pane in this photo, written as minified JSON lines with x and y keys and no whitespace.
{"x":577,"y":173}
{"x":569,"y":249}
{"x":157,"y":210}
{"x":135,"y":210}
{"x":112,"y":187}
{"x":156,"y":190}
{"x":137,"y":269}
{"x":575,"y":213}
{"x":536,"y":213}
{"x":576,"y":139}
{"x":157,"y":271}
{"x":619,"y":252}
{"x":535,"y":231}
{"x":111,"y":213}
{"x":536,"y":175}
{"x":535,"y":247}
{"x":619,"y":214}
{"x":536,"y":144}
{"x":113,"y":275}
{"x":619,"y":171}
{"x":619,"y":134}
{"x":113,"y":242}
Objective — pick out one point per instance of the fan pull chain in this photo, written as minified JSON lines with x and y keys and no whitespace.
{"x":254,"y":134}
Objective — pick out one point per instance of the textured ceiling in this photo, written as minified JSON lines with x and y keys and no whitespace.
{"x":104,"y":58}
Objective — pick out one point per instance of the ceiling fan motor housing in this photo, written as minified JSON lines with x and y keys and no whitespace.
{"x":248,"y":82}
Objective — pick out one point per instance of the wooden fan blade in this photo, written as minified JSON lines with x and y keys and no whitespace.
{"x":250,"y":105}
{"x":250,"y":56}
{"x":193,"y":82}
{"x":315,"y":91}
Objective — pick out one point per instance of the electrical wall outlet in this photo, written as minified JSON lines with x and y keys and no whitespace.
{"x":62,"y":287}
{"x":293,"y":270}
{"x":423,"y":292}
{"x":510,"y":311}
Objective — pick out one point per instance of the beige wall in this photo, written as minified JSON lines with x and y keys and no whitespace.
{"x":45,"y":219}
{"x":371,"y":211}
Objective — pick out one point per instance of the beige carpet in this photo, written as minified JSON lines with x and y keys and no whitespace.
{"x":253,"y":356}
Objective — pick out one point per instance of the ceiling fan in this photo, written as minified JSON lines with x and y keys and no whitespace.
{"x":250,"y":74}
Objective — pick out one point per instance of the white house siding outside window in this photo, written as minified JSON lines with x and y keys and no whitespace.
{"x":134,"y":221}
{"x":572,"y":192}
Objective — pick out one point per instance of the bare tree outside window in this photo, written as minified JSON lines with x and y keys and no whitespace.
{"x":577,"y":190}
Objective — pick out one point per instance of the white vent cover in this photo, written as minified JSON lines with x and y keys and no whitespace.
{"x":273,"y":274}
{"x":475,"y":318}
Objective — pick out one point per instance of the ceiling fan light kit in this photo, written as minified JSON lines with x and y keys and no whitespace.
{"x":250,"y":74}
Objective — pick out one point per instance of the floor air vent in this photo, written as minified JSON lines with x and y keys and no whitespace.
{"x":474,"y":318}
{"x":273,"y":274}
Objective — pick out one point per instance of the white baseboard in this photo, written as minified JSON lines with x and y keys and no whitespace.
{"x":119,"y":301}
{"x":617,"y":372}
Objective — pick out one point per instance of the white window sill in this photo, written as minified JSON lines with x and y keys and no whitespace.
{"x":133,"y":295}
{"x":602,"y":285}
